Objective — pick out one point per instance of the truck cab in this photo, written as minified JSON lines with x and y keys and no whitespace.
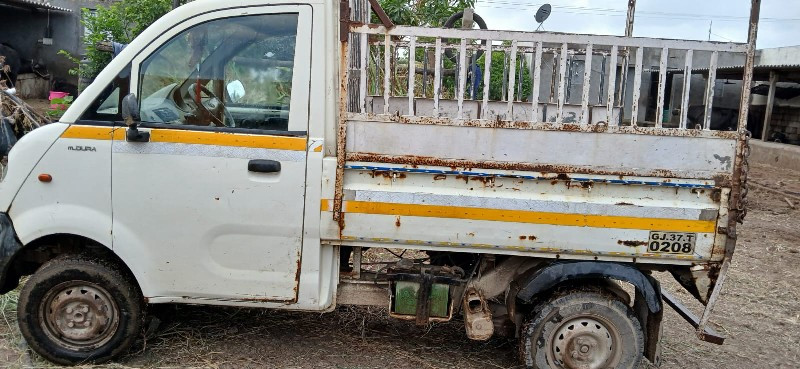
{"x":234,"y":154}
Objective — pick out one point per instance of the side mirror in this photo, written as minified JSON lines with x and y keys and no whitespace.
{"x":236,"y":90}
{"x":130,"y":114}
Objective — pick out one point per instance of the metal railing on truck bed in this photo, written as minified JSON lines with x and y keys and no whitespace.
{"x":380,"y":51}
{"x":429,"y":98}
{"x":446,"y":77}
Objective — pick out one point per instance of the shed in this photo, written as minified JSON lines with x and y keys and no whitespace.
{"x":37,"y":30}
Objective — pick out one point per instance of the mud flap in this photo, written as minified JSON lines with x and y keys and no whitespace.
{"x":651,"y":326}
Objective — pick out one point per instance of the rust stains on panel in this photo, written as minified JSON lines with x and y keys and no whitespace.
{"x":297,"y":274}
{"x":530,"y":237}
{"x":561,"y":170}
{"x":632,"y":243}
{"x":397,"y":221}
{"x":439,"y":177}
{"x":544,"y":126}
{"x":387,"y":174}
{"x":624,"y":204}
{"x":341,"y":134}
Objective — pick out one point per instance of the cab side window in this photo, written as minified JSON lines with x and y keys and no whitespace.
{"x":106,"y":107}
{"x":231,"y":72}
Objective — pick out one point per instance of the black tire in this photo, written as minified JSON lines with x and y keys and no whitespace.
{"x":573,"y":330}
{"x":76,"y":309}
{"x":451,"y":22}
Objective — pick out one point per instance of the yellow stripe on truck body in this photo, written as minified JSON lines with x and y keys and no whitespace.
{"x":192,"y":137}
{"x":520,"y":216}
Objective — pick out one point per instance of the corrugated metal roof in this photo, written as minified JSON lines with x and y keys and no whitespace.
{"x":34,"y":4}
{"x":765,"y":66}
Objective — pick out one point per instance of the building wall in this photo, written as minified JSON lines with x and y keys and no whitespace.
{"x":24,"y":30}
{"x":786,"y":121}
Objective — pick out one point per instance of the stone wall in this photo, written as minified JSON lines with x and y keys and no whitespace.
{"x":786,"y":122}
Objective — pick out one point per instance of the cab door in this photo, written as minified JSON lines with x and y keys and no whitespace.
{"x":211,"y":195}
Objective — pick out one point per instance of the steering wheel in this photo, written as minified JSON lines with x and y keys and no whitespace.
{"x":211,"y":106}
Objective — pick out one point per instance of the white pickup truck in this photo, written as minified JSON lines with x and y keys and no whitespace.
{"x":265,"y":154}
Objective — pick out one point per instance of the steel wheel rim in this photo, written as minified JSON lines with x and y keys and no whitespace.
{"x":585,"y":342}
{"x":79,"y":315}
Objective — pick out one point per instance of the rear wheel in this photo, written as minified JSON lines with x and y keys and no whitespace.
{"x":582,"y":329}
{"x":75,"y":309}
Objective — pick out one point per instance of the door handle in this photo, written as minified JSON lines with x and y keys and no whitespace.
{"x":264,"y":166}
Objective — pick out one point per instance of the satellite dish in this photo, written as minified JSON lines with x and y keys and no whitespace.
{"x":543,"y":13}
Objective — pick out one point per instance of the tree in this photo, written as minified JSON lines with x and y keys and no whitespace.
{"x":120,"y":22}
{"x":430,"y":13}
{"x":434,"y":13}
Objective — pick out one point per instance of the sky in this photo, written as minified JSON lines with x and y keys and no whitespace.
{"x":681,"y":19}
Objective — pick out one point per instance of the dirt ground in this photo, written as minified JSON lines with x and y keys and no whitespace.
{"x":40,"y":105}
{"x":759,"y":311}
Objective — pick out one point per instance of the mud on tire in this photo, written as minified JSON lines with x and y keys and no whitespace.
{"x":76,"y":309}
{"x":582,"y":329}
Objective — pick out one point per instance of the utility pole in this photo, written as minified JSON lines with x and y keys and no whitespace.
{"x":176,"y":3}
{"x":629,"y":18}
{"x":710,"y":24}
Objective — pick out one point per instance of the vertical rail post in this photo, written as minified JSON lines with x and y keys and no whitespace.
{"x":512,"y":80}
{"x":637,"y":86}
{"x":562,"y":82}
{"x":345,"y":54}
{"x":739,"y":174}
{"x":437,"y":76}
{"x":623,"y":85}
{"x":412,"y":73}
{"x":712,"y":82}
{"x":612,"y":84}
{"x":662,"y":85}
{"x":587,"y":80}
{"x":387,"y":61}
{"x":487,"y":79}
{"x":462,"y":77}
{"x":362,"y":88}
{"x":537,"y":76}
{"x":687,"y":85}
{"x":773,"y":79}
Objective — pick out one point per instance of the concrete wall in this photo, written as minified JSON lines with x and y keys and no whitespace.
{"x":786,"y":121}
{"x":778,"y":56}
{"x":775,"y":154}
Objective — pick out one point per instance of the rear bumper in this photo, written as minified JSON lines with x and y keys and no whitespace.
{"x":9,"y":246}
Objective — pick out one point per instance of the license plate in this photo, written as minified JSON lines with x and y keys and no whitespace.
{"x":671,"y":242}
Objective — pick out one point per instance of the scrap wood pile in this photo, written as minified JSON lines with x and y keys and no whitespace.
{"x":16,"y":119}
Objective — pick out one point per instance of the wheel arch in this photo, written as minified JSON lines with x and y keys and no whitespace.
{"x":27,"y":259}
{"x":552,"y":275}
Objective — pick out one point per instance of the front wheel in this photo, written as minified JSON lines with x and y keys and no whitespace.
{"x":582,"y":329}
{"x":76,"y":309}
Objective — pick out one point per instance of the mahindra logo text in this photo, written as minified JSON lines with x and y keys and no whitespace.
{"x":81,"y":148}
